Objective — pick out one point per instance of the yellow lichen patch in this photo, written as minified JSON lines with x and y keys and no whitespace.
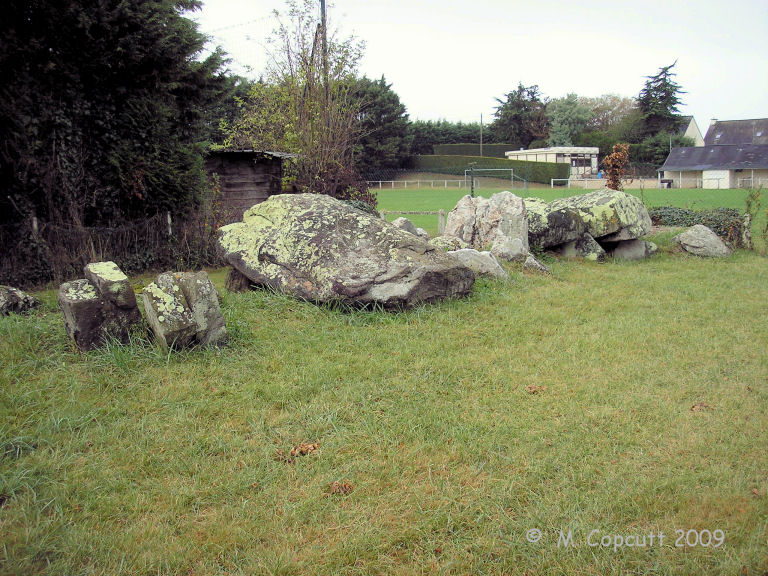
{"x":108,"y":271}
{"x":81,"y":291}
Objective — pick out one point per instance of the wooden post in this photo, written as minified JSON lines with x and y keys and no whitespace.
{"x":441,"y":222}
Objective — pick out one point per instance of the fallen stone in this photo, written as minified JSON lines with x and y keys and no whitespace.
{"x":15,"y":301}
{"x":610,"y":215}
{"x":404,"y":224}
{"x":481,"y":263}
{"x":550,"y":225}
{"x":636,"y":249}
{"x":702,"y":241}
{"x":113,"y":285}
{"x":318,"y":249}
{"x":607,"y":215}
{"x":423,"y":234}
{"x":584,"y":247}
{"x":203,"y":301}
{"x":448,"y":243}
{"x":533,"y":265}
{"x":168,"y":313}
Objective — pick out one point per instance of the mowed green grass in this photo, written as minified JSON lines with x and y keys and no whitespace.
{"x":626,"y":398}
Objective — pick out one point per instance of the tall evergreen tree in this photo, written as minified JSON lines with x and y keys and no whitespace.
{"x":102,"y":108}
{"x":521,"y":117}
{"x":384,"y":142}
{"x":658,"y":102}
{"x":568,"y":118}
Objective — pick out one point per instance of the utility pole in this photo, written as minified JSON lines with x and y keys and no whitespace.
{"x":325,"y":56}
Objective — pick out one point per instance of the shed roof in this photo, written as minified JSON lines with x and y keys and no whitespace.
{"x":249,"y":152}
{"x":746,"y":157}
{"x":753,"y":131}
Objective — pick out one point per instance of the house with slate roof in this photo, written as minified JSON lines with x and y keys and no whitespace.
{"x":734,"y":155}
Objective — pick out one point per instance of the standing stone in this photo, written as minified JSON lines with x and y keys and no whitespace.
{"x":121,"y":313}
{"x":83,"y":311}
{"x":636,"y":249}
{"x":203,"y":301}
{"x":498,"y":223}
{"x":404,"y":224}
{"x":14,"y":301}
{"x":100,"y":307}
{"x":481,"y":263}
{"x":236,"y":281}
{"x":533,"y":265}
{"x":168,"y":313}
{"x":701,"y":241}
{"x":584,"y":247}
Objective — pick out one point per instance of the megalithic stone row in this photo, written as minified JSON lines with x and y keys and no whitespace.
{"x":182,"y":308}
{"x":100,"y":307}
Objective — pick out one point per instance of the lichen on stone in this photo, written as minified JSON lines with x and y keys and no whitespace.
{"x":108,"y":271}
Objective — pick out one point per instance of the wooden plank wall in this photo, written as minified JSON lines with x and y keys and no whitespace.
{"x":245,"y":179}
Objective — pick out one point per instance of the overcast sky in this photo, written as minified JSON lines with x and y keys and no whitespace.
{"x":451,"y":60}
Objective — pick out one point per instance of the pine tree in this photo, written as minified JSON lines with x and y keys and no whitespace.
{"x":658,"y":102}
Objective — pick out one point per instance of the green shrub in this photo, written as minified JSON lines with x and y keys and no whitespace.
{"x":541,"y":172}
{"x":489,"y":150}
{"x":728,"y":223}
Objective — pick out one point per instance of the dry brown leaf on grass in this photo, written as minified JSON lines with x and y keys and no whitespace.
{"x":301,"y":449}
{"x":304,"y":448}
{"x":337,"y":487}
{"x":535,"y":389}
{"x":701,"y":407}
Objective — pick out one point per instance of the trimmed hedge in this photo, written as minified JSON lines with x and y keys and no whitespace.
{"x":541,"y":172}
{"x":728,"y":223}
{"x":489,"y":150}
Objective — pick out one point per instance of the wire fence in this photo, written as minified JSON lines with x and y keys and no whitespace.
{"x":36,"y":253}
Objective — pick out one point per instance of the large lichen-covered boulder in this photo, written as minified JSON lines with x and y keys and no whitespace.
{"x":610,"y":215}
{"x":481,"y":263}
{"x":606,"y":215}
{"x":319,"y":249}
{"x":551,"y":225}
{"x":168,"y":313}
{"x":702,"y":241}
{"x":498,"y":223}
{"x":15,"y":301}
{"x":99,"y":307}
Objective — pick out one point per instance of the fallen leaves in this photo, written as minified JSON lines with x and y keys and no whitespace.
{"x":342,"y":488}
{"x":535,"y":389}
{"x":301,"y":449}
{"x":701,"y":407}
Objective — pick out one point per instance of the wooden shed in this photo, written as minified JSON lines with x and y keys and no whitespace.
{"x":246,"y":177}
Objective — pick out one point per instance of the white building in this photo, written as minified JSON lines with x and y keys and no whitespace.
{"x":582,"y":159}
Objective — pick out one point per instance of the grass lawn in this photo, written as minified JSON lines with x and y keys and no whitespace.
{"x":622,"y":398}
